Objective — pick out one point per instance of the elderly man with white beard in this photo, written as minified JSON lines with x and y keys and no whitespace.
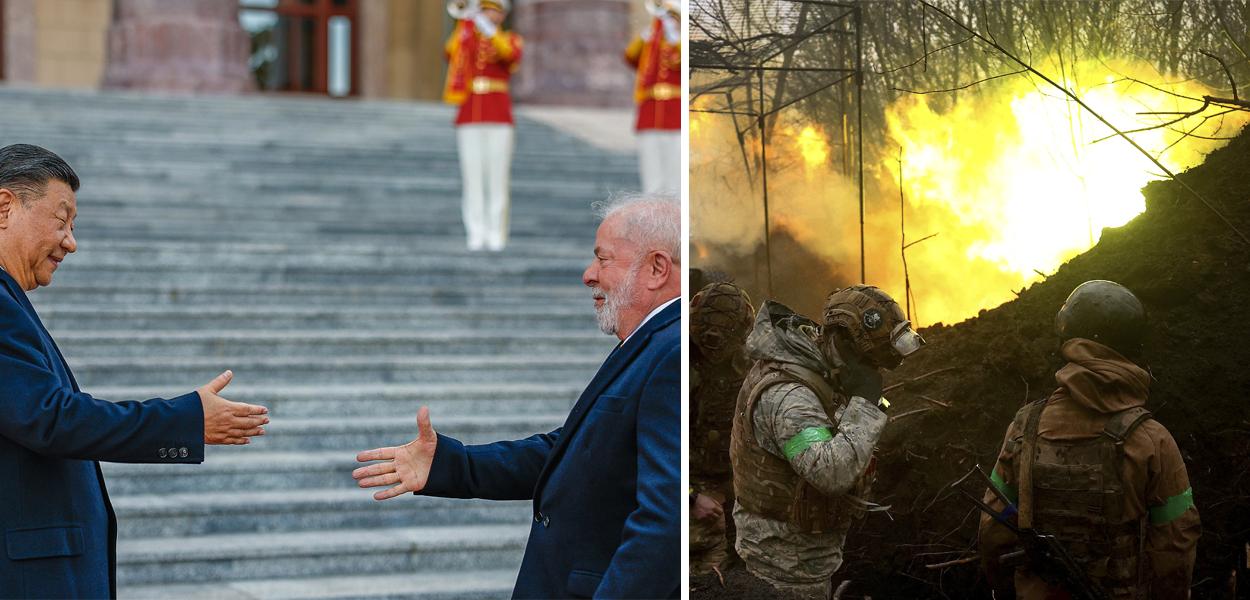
{"x":606,"y":485}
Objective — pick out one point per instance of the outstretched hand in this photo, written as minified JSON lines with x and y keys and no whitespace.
{"x":407,"y":467}
{"x":227,"y":422}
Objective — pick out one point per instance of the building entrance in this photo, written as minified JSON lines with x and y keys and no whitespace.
{"x":304,"y":45}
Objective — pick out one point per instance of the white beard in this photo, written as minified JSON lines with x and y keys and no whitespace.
{"x":609,"y":315}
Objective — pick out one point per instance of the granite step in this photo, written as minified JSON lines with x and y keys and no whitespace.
{"x":232,"y":557}
{"x":352,"y":432}
{"x":242,"y":345}
{"x":64,"y":319}
{"x":155,"y":291}
{"x":456,"y":585}
{"x":210,"y":512}
{"x":372,"y":399}
{"x":196,"y":371}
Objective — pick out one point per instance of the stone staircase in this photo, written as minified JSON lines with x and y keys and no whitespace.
{"x":315,"y":248}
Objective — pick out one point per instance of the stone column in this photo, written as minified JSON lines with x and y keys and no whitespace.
{"x":20,"y":48}
{"x":178,"y":45}
{"x":574,"y":52}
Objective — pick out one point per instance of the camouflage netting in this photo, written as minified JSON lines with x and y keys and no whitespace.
{"x":1193,"y":274}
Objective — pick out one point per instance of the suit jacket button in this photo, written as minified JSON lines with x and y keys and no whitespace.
{"x":182,"y":452}
{"x":162,"y":453}
{"x":546,"y":521}
{"x":538,"y":517}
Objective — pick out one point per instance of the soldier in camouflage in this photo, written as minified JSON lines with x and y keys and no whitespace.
{"x":721,"y":316}
{"x":807,"y":418}
{"x":1091,"y":466}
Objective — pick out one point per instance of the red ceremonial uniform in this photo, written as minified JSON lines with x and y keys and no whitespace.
{"x":657,"y":87}
{"x":477,"y":79}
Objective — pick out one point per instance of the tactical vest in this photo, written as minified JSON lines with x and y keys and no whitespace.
{"x":1072,"y":489}
{"x":715,"y":395}
{"x":764,"y":483}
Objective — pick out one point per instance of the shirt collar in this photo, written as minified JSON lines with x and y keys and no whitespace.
{"x":653,"y":313}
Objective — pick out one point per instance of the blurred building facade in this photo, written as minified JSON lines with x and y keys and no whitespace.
{"x":386,"y":49}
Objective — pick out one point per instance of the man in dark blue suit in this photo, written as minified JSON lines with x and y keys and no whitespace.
{"x":606,"y":485}
{"x":59,"y":529}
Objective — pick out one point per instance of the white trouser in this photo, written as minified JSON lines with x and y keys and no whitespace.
{"x":659,"y":160}
{"x":485,"y":165}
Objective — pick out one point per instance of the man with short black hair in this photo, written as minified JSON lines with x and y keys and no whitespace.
{"x":59,"y":529}
{"x":606,"y":485}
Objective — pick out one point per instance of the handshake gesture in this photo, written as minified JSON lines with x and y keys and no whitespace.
{"x":227,"y":422}
{"x":407,"y":467}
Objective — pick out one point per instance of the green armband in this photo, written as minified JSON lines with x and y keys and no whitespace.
{"x":804,"y":440}
{"x":1008,"y":490}
{"x":1172,"y":508}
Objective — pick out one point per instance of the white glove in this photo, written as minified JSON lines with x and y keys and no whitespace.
{"x":484,"y":25}
{"x":672,"y":29}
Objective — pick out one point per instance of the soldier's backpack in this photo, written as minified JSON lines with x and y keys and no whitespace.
{"x":1072,"y":489}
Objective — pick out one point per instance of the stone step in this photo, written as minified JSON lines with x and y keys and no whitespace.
{"x":455,"y":585}
{"x":398,"y":234}
{"x":324,"y":343}
{"x":442,"y":210}
{"x":194,"y":372}
{"x":155,"y":291}
{"x":243,"y":468}
{"x":363,"y":275}
{"x":503,"y":263}
{"x":235,"y":557}
{"x":451,"y":245}
{"x":131,"y":140}
{"x":243,"y":510}
{"x":63,"y":319}
{"x":370,"y":399}
{"x":352,"y":431}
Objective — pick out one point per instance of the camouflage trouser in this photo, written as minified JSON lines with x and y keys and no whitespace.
{"x":709,"y":538}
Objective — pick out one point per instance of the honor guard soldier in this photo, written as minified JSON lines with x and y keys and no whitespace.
{"x":807,"y":419}
{"x":1091,"y":467}
{"x":656,"y":55}
{"x":482,"y":57}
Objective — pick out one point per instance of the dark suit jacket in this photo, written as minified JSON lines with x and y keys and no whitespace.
{"x":606,"y":485}
{"x":59,"y":530}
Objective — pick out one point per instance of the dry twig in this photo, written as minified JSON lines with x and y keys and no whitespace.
{"x":951,"y":563}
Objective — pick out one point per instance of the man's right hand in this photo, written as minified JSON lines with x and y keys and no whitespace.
{"x":227,"y":422}
{"x":407,"y":467}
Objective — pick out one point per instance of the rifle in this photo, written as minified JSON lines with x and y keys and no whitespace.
{"x":1046,"y":555}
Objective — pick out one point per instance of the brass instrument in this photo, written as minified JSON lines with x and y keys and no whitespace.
{"x":461,"y":10}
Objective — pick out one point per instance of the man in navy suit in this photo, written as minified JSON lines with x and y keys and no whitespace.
{"x":59,"y":529}
{"x":606,"y":485}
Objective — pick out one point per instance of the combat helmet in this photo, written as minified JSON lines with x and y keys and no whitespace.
{"x":873,"y":323}
{"x":1105,"y":312}
{"x":721,"y":317}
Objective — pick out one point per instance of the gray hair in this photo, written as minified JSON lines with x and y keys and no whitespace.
{"x":651,"y":219}
{"x":26,"y":170}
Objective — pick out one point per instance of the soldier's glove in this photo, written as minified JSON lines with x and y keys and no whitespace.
{"x":484,"y":25}
{"x":859,"y":379}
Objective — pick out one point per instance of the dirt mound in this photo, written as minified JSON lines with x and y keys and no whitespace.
{"x":1193,"y":274}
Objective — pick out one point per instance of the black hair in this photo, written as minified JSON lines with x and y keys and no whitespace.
{"x":26,"y":169}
